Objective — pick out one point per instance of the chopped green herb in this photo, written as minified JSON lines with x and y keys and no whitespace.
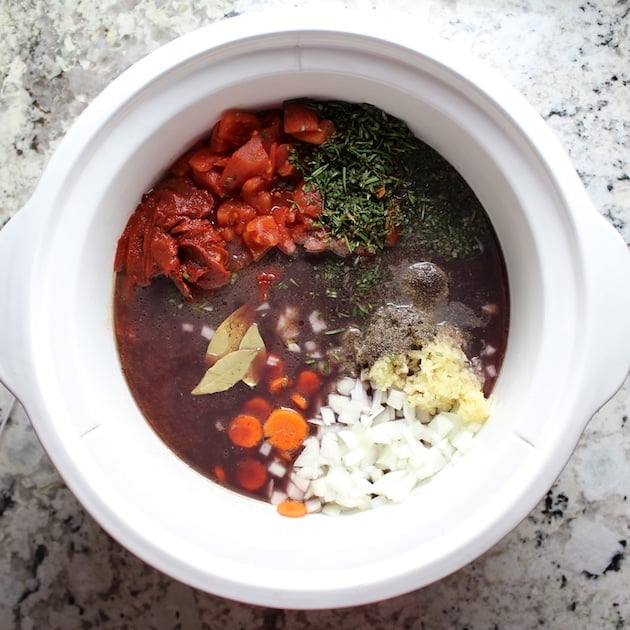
{"x":378,"y":180}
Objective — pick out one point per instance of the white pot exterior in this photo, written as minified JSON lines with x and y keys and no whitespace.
{"x":568,"y":347}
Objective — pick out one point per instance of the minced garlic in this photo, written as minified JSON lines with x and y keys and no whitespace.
{"x":438,"y":377}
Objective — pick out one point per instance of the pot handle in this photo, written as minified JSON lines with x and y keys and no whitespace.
{"x":608,"y":284}
{"x":14,"y":272}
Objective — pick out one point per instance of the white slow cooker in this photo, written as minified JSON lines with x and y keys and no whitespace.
{"x":568,"y":346}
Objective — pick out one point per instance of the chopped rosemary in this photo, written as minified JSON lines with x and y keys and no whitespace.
{"x":377,"y":179}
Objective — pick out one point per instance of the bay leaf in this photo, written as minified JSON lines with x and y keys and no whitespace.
{"x":230,"y":332}
{"x":226,"y":372}
{"x":252,"y":339}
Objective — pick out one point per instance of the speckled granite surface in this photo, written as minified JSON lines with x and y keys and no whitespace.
{"x":565,"y":566}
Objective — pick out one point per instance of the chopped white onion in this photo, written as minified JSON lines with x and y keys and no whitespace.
{"x":207,"y":332}
{"x":345,"y":386}
{"x":316,"y":320}
{"x":373,"y":447}
{"x":277,"y":469}
{"x":277,"y":496}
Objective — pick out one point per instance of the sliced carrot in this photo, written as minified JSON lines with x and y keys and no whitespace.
{"x":251,"y":474}
{"x":279,"y":383}
{"x":245,"y":431}
{"x":219,"y":472}
{"x":257,"y":407}
{"x":286,"y":429}
{"x":291,"y":508}
{"x":308,"y":382}
{"x":299,"y":401}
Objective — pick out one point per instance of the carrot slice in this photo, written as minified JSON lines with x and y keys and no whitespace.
{"x":251,"y":474}
{"x":286,"y":429}
{"x":257,"y":407}
{"x":299,"y":401}
{"x":279,"y":383}
{"x":219,"y":472}
{"x":291,"y":508}
{"x":308,"y":382}
{"x":245,"y":431}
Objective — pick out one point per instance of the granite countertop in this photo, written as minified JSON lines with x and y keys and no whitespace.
{"x":565,"y":566}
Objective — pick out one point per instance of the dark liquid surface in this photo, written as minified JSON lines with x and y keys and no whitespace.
{"x":162,"y":348}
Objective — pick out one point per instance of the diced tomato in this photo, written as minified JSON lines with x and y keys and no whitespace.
{"x":308,"y":200}
{"x":249,"y":160}
{"x":260,"y":234}
{"x":286,"y":244}
{"x":271,"y":131}
{"x":210,"y":180}
{"x":280,"y":155}
{"x":233,"y":211}
{"x":318,"y":136}
{"x":255,"y":191}
{"x":203,"y":159}
{"x":298,"y":118}
{"x":180,"y":167}
{"x":233,"y":129}
{"x":284,"y":215}
{"x":266,"y":279}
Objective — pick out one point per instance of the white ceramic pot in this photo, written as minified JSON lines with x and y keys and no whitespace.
{"x":568,"y":347}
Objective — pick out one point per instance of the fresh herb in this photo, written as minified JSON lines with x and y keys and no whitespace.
{"x":358,"y":173}
{"x":334,"y":331}
{"x":377,"y":180}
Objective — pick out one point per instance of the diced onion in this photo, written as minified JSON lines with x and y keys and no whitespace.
{"x":372,"y":447}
